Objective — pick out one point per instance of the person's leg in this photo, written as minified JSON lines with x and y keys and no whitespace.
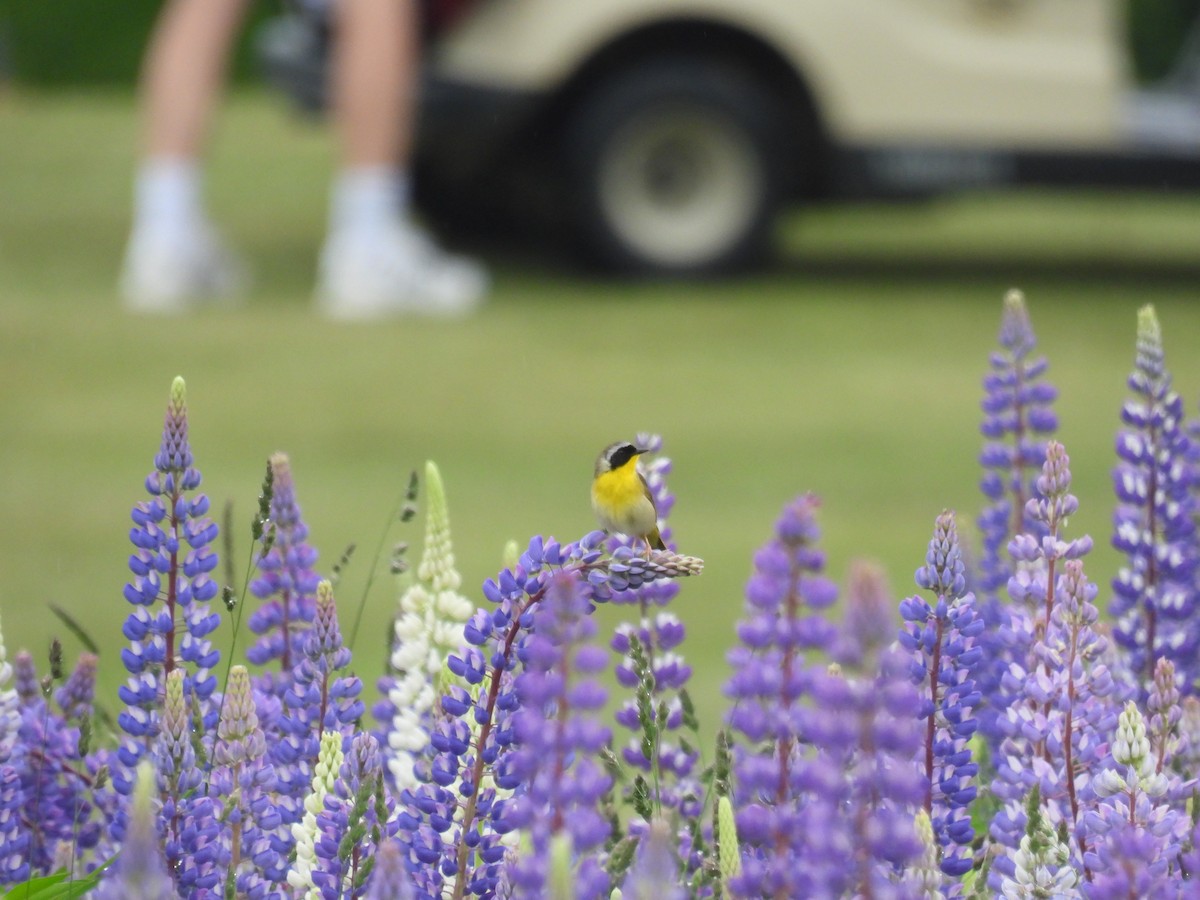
{"x":373,"y":93}
{"x":375,"y":260}
{"x":173,"y":254}
{"x":183,"y":72}
{"x":374,"y":81}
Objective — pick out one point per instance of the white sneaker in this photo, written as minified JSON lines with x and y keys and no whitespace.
{"x":169,"y":271}
{"x":399,"y":271}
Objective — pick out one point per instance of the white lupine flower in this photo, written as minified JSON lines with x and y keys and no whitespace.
{"x":1131,"y":747}
{"x":325,"y":774}
{"x":428,"y":630}
{"x":1043,"y":867}
{"x":1135,"y":763}
{"x":436,"y":569}
{"x":1110,"y":782}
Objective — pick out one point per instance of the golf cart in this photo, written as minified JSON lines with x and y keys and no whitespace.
{"x":663,"y":136}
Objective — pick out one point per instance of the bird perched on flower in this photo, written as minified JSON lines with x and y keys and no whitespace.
{"x":621,"y":498}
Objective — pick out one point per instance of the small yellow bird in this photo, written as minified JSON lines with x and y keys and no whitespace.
{"x":621,"y":498}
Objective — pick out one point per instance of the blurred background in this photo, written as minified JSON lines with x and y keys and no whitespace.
{"x":779,"y":234}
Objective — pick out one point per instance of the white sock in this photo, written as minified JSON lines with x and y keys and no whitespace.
{"x":166,"y":194}
{"x":368,"y":199}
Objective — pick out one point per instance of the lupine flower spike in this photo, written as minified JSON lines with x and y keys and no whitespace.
{"x":657,"y":633}
{"x":462,"y":785}
{"x":243,"y":783}
{"x":815,"y":818}
{"x":322,"y":697}
{"x":655,"y":873}
{"x":1058,"y":691}
{"x":1018,"y":418}
{"x":428,"y":629}
{"x":307,"y":831}
{"x":170,"y":592}
{"x":286,"y":583}
{"x":942,"y":639}
{"x":558,"y":740}
{"x":10,"y":707}
{"x":1137,"y":836}
{"x":14,"y":841}
{"x":140,"y":872}
{"x":1154,"y":524}
{"x":1041,"y":865}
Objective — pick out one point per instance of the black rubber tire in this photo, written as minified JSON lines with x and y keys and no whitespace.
{"x":675,"y":167}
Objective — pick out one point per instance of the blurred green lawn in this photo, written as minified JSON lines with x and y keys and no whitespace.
{"x":851,"y":369}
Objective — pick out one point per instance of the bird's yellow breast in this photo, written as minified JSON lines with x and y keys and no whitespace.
{"x":621,"y":503}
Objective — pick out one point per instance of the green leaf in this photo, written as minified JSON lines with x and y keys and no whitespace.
{"x":34,"y":886}
{"x":57,"y":887}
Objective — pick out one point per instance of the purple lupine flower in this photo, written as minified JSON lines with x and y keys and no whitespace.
{"x":190,"y":830}
{"x":64,"y":813}
{"x":785,"y":800}
{"x":558,"y":740}
{"x":321,"y":697}
{"x":350,"y":826}
{"x":1017,"y":421}
{"x":448,"y":823}
{"x":1078,"y":696}
{"x":1058,"y":689}
{"x":1132,"y":868}
{"x":1165,"y":712}
{"x":882,"y":786}
{"x":74,"y":697}
{"x":1190,"y":859}
{"x":241,"y":784}
{"x":1186,"y":758}
{"x":140,"y":872}
{"x":171,"y":587}
{"x":1154,"y":599}
{"x":768,"y":687}
{"x":10,"y":706}
{"x":25,"y":679}
{"x":286,"y":583}
{"x":14,"y":839}
{"x":655,"y":871}
{"x":942,"y":640}
{"x":869,"y":728}
{"x":659,"y":632}
{"x":1034,"y":584}
{"x":389,"y":880}
{"x":869,"y":620}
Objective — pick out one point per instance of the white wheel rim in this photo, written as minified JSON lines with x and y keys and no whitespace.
{"x":678,"y":186}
